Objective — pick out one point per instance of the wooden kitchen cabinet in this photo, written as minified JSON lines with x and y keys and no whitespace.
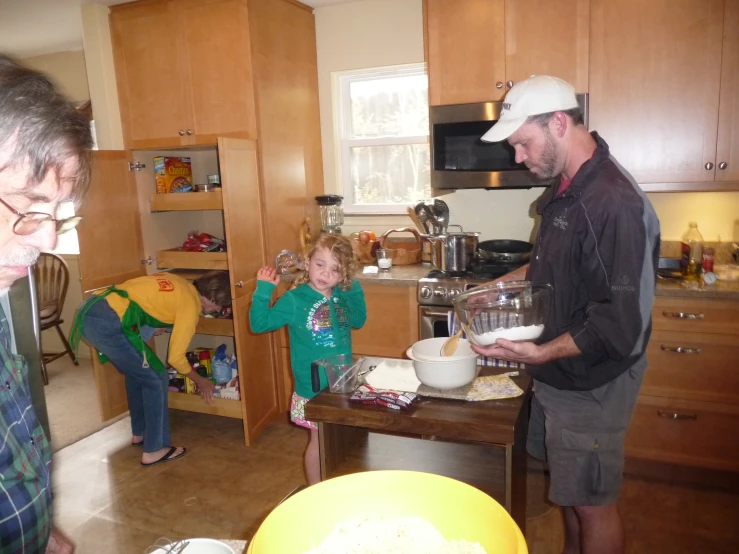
{"x":688,"y":403}
{"x":178,"y":82}
{"x":260,"y":207}
{"x":655,"y":81}
{"x":151,"y":85}
{"x":392,"y":321}
{"x":727,"y":150}
{"x":474,"y":48}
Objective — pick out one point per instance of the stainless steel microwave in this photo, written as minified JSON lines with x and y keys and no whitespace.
{"x":460,"y":160}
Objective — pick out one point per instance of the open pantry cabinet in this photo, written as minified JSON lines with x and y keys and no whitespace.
{"x":128,"y":230}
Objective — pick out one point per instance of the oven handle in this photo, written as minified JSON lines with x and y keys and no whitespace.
{"x":435,"y":313}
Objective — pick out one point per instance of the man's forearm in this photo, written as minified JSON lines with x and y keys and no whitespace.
{"x":515,"y":275}
{"x":561,"y":347}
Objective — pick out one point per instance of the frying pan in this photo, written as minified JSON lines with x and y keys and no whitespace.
{"x":509,"y":251}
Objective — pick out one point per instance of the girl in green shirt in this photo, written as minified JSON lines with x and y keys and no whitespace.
{"x":320,"y":311}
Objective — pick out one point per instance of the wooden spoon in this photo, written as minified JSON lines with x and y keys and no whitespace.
{"x":450,"y":345}
{"x":414,"y":218}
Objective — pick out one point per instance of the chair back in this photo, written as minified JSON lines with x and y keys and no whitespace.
{"x":52,"y":280}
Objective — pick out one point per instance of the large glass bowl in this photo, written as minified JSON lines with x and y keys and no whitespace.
{"x":516,"y":310}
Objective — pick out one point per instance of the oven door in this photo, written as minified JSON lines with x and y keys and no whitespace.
{"x":433,"y":321}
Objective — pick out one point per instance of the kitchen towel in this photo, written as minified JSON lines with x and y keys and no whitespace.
{"x":454,"y":324}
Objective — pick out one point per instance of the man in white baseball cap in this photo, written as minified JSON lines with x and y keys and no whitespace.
{"x":598,"y":246}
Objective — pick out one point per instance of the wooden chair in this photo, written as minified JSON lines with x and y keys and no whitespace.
{"x":52,"y":280}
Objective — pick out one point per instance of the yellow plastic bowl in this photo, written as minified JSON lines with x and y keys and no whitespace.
{"x":459,"y":511}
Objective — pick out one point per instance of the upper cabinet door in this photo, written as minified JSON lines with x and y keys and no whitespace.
{"x":655,"y":69}
{"x":219,"y":83}
{"x":547,"y":38}
{"x":465,"y":50}
{"x":147,"y":54}
{"x":727,"y":152}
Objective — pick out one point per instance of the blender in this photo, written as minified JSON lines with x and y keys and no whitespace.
{"x":331,"y":211}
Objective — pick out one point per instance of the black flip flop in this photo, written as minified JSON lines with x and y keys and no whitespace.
{"x":166,"y":457}
{"x":140,"y":443}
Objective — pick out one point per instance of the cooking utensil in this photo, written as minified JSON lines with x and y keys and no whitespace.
{"x":508,"y":251}
{"x":414,"y":218}
{"x":445,"y":373}
{"x":441,"y":212}
{"x":342,"y":372}
{"x":450,"y":345}
{"x":454,"y":252}
{"x":429,"y":349}
{"x":406,"y":252}
{"x":457,"y":510}
{"x":514,"y":310}
{"x":430,"y":218}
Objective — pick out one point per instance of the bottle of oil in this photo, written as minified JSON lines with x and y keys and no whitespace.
{"x":692,"y":252}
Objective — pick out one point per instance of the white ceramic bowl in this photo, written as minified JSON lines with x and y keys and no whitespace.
{"x":202,"y":546}
{"x":445,"y":373}
{"x":430,"y":349}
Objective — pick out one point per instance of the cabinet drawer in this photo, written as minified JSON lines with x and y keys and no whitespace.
{"x":693,"y":366}
{"x":696,"y":315}
{"x":699,"y":434}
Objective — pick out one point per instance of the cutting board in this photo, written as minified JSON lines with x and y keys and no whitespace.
{"x":399,"y":375}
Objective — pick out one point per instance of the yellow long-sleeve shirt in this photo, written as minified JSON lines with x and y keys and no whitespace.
{"x":170,"y":299}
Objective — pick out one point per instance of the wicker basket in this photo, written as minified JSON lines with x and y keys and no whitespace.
{"x":406,"y":252}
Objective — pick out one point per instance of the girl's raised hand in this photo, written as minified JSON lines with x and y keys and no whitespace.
{"x":268,"y":274}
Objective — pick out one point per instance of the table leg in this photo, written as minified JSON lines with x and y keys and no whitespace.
{"x":515,"y":483}
{"x":335,"y":442}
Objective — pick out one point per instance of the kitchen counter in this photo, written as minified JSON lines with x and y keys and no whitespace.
{"x":728,"y":290}
{"x":398,"y":276}
{"x":480,"y":443}
{"x":408,"y":276}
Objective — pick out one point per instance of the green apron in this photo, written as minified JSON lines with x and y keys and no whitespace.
{"x":134,"y":318}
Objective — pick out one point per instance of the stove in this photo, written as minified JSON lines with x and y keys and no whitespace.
{"x":439,"y":288}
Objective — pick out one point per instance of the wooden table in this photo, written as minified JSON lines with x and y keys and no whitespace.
{"x":480,"y":443}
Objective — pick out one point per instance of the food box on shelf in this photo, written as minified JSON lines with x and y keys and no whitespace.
{"x":172,"y":174}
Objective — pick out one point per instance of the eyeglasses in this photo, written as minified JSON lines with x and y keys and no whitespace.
{"x":30,"y":222}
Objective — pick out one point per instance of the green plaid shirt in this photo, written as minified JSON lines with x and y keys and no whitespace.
{"x":25,"y":459}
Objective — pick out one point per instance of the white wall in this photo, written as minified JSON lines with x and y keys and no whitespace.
{"x":374,"y":33}
{"x":66,"y":70}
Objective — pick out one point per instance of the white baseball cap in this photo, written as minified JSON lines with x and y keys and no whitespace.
{"x":536,"y":95}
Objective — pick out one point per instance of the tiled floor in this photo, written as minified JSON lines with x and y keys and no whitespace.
{"x":106,"y":502}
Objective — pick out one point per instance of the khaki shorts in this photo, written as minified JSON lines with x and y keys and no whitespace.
{"x":581,"y":435}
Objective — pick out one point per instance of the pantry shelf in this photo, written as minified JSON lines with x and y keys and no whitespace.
{"x":181,"y":201}
{"x":193,"y":403}
{"x":174,"y":258}
{"x":215,"y":326}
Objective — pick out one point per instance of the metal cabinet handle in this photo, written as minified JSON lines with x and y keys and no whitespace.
{"x":181,"y":133}
{"x":723,"y":165}
{"x":239,"y":284}
{"x":683,"y":315}
{"x":147,"y":261}
{"x":498,"y":85}
{"x":189,"y":132}
{"x":709,"y":166}
{"x":676,"y":415}
{"x":680,"y":349}
{"x":510,"y":84}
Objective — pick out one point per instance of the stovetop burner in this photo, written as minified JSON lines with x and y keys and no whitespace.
{"x":439,"y":288}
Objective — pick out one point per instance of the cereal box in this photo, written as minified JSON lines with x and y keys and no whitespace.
{"x":173,"y":174}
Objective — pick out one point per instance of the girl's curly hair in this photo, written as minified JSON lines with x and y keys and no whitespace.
{"x":341,"y":250}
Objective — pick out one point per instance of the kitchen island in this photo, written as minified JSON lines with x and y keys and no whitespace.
{"x":480,"y":443}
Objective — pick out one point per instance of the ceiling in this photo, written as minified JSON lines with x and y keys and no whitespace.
{"x":35,"y":27}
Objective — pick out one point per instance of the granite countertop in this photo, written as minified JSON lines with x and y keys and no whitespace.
{"x":398,"y":276}
{"x":408,"y":276}
{"x":728,"y":290}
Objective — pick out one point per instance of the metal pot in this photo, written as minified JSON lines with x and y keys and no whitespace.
{"x":506,"y":251}
{"x":454,"y":252}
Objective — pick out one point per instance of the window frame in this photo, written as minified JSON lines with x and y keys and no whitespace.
{"x":343,"y":81}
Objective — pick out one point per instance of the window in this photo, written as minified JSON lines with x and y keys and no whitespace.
{"x":383,"y":138}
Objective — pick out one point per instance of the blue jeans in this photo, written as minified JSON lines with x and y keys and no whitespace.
{"x":145,"y":388}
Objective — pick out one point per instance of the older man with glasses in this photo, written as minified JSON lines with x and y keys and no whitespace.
{"x":44,"y":160}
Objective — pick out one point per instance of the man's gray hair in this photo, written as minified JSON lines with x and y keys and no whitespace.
{"x":543,"y":119}
{"x":41,"y":127}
